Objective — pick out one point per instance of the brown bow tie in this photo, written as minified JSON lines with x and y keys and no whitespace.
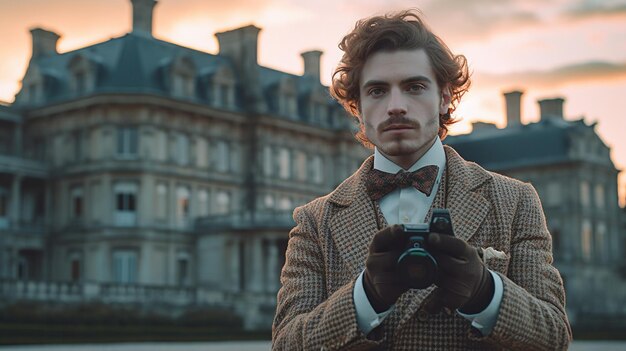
{"x":379,"y":183}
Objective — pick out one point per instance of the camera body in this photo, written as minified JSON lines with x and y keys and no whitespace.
{"x":416,"y":264}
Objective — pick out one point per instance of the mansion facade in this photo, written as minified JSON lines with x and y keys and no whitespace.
{"x":137,"y":170}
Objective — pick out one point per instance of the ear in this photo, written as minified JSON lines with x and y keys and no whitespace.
{"x":444,"y":102}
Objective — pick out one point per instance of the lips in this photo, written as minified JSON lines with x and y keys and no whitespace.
{"x":397,"y":127}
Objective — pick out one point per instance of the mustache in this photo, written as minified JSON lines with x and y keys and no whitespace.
{"x":397,"y":120}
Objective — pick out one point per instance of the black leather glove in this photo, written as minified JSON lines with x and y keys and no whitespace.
{"x":382,"y":284}
{"x":464,"y":281}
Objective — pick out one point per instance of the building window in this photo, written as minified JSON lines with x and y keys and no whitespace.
{"x":4,"y":202}
{"x":318,"y":112}
{"x":182,"y":268}
{"x":161,"y":201}
{"x":584,"y":193}
{"x":80,"y":82}
{"x":224,"y":94}
{"x":284,"y":164}
{"x":125,"y":204}
{"x":183,"y":86}
{"x":125,"y":266}
{"x":288,"y":105}
{"x":222,"y":202}
{"x":202,"y":158}
{"x":553,"y":197}
{"x":203,"y":203}
{"x":77,"y":144}
{"x":182,"y":149}
{"x":75,"y":263}
{"x":96,"y":206}
{"x":223,"y":156}
{"x":556,"y":240}
{"x":599,"y":196}
{"x":267,"y":161}
{"x":285,"y":204}
{"x":586,"y":239}
{"x":317,"y":169}
{"x":161,"y":146}
{"x":127,"y":142}
{"x":601,"y":252}
{"x":300,"y":166}
{"x":77,"y":202}
{"x":75,"y":273}
{"x":268,"y":201}
{"x":182,"y":206}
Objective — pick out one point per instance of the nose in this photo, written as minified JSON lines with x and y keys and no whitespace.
{"x":397,"y":104}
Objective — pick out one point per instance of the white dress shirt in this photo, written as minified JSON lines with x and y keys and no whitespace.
{"x":409,"y":205}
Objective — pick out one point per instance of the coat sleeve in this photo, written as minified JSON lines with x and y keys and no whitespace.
{"x":307,"y":317}
{"x":532,"y":312}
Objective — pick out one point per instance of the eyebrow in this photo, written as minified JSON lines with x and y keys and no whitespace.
{"x":404,"y":81}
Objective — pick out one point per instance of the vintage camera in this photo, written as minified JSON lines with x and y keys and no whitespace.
{"x":416,"y":264}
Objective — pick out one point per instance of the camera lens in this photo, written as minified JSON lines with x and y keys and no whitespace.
{"x":418,"y":267}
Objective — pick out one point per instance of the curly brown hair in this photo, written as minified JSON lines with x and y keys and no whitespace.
{"x":396,"y":31}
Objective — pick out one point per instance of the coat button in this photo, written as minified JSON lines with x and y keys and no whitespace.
{"x":422,"y":315}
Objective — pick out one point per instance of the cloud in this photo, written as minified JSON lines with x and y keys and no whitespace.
{"x":560,"y":76}
{"x":587,"y":8}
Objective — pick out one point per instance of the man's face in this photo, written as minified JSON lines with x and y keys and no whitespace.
{"x":401,"y":103}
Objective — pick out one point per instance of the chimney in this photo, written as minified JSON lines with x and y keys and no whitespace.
{"x":513,"y":101}
{"x":312,"y":63}
{"x":142,"y":16}
{"x":241,"y":46}
{"x":44,"y":42}
{"x":551,"y":108}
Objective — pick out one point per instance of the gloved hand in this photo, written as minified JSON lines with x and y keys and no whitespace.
{"x":382,"y":284}
{"x":464,"y":281}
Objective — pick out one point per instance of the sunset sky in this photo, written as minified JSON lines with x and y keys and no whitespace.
{"x":574,"y":49}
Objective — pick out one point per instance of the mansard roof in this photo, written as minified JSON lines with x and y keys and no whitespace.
{"x":547,"y":142}
{"x":131,"y":63}
{"x":136,"y":63}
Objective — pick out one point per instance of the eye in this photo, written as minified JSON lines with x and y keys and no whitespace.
{"x":376,"y":92}
{"x":415,"y":87}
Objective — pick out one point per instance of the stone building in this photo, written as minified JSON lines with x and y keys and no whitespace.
{"x":570,"y":167}
{"x":138,"y":171}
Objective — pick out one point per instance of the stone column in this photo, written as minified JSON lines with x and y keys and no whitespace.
{"x":16,"y":203}
{"x":272,"y":275}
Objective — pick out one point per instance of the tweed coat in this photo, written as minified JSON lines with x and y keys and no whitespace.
{"x":329,"y":244}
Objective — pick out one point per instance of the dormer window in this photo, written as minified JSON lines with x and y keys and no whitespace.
{"x":287,"y":99}
{"x":223,"y":89}
{"x":183,"y":78}
{"x":318,"y":112}
{"x":83,"y":73}
{"x":79,"y":81}
{"x":317,"y":106}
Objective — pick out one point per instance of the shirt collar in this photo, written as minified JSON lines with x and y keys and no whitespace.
{"x":434,"y":156}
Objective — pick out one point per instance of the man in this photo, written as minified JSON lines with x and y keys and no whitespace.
{"x":495,"y":287}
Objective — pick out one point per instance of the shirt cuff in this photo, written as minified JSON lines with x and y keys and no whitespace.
{"x":367,"y":319}
{"x":485,"y":321}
